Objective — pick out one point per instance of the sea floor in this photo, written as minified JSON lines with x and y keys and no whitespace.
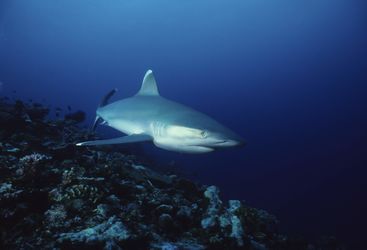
{"x":54,"y":195}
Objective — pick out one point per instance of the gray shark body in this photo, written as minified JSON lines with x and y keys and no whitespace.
{"x":147,"y":116}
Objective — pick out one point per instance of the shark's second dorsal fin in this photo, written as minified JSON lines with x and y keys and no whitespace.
{"x":149,"y":86}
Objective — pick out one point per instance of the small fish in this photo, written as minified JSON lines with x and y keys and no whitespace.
{"x":69,"y":107}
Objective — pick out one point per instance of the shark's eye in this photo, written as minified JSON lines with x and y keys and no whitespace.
{"x":204,"y":134}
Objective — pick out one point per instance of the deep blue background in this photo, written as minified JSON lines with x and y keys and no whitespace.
{"x":289,"y":76}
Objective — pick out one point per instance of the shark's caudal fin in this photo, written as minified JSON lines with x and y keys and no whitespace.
{"x":107,"y":97}
{"x":120,"y":140}
{"x":103,"y":103}
{"x":149,"y":85}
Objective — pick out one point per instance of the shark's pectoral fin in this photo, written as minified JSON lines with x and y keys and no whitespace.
{"x":120,"y":140}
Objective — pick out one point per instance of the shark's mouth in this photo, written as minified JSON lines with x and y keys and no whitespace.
{"x":220,"y":142}
{"x":198,"y":149}
{"x":212,"y":145}
{"x":225,"y":143}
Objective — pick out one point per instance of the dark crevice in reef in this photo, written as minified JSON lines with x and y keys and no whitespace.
{"x":54,"y":195}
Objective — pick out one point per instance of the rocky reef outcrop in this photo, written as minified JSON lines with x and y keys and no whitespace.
{"x":54,"y":195}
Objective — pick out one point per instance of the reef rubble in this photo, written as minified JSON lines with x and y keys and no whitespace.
{"x":54,"y":195}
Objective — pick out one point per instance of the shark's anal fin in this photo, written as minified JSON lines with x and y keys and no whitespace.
{"x":120,"y":140}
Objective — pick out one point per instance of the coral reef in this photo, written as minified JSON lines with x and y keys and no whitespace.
{"x":54,"y":195}
{"x":108,"y":233}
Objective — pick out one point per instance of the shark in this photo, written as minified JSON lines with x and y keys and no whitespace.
{"x":149,"y":117}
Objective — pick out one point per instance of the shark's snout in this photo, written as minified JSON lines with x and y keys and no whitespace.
{"x":228,"y":141}
{"x":239,"y":141}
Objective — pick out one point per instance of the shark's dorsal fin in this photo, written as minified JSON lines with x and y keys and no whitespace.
{"x":149,"y":86}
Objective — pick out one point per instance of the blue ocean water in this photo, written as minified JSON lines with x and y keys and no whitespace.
{"x":289,"y":76}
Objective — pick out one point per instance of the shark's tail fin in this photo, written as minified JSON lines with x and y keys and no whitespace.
{"x":97,"y":121}
{"x":107,"y":97}
{"x":103,"y":103}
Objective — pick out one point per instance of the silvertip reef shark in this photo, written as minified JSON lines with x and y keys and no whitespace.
{"x":147,"y":116}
